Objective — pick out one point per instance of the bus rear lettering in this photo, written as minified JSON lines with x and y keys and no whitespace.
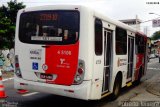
{"x":46,"y":17}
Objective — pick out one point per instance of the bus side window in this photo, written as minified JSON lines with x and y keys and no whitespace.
{"x":119,"y":48}
{"x":121,"y":41}
{"x":140,"y":44}
{"x":98,"y":37}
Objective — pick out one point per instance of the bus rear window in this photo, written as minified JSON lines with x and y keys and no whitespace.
{"x":49,"y":27}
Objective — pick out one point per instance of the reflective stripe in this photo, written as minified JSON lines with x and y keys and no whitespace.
{"x":7,"y":79}
{"x":30,"y":94}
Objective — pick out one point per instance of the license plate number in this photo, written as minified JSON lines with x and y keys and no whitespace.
{"x":46,"y":76}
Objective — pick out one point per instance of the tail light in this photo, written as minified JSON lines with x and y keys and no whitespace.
{"x":17,"y":68}
{"x":78,"y":79}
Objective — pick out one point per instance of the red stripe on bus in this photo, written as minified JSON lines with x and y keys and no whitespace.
{"x":139,"y":63}
{"x":62,"y":60}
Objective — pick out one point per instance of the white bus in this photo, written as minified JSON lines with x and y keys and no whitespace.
{"x":74,"y":51}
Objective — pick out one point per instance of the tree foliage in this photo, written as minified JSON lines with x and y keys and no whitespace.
{"x":156,"y":35}
{"x":8,"y":16}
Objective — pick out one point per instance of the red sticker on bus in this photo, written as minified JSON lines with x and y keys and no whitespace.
{"x":62,"y":60}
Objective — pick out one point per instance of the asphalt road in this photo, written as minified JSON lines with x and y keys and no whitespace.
{"x":35,"y":99}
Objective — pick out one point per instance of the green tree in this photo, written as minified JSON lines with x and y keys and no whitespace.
{"x":156,"y":35}
{"x":8,"y":16}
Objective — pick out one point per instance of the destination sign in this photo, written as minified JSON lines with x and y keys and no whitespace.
{"x":46,"y":17}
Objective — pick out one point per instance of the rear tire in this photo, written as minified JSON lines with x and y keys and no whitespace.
{"x":116,"y":88}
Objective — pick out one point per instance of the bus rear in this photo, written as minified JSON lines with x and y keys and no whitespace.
{"x":47,"y":50}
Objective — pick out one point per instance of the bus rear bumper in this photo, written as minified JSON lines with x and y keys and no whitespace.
{"x":75,"y":91}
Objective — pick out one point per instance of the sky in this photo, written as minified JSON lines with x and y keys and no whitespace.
{"x":116,"y":9}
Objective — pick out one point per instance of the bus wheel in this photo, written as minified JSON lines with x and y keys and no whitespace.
{"x":116,"y":88}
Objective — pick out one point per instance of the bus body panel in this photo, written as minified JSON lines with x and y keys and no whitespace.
{"x":141,"y":57}
{"x":27,"y":58}
{"x":49,"y":54}
{"x":86,"y":48}
{"x":120,"y":65}
{"x":48,"y":63}
{"x":62,"y":61}
{"x":75,"y":91}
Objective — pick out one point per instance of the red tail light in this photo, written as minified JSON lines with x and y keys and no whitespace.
{"x":78,"y":79}
{"x":17,"y":65}
{"x":17,"y":68}
{"x":80,"y":71}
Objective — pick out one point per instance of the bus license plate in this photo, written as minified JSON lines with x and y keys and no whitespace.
{"x":46,"y":76}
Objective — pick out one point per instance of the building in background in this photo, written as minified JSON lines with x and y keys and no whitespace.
{"x":146,"y":30}
{"x":157,"y":47}
{"x":135,"y":23}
